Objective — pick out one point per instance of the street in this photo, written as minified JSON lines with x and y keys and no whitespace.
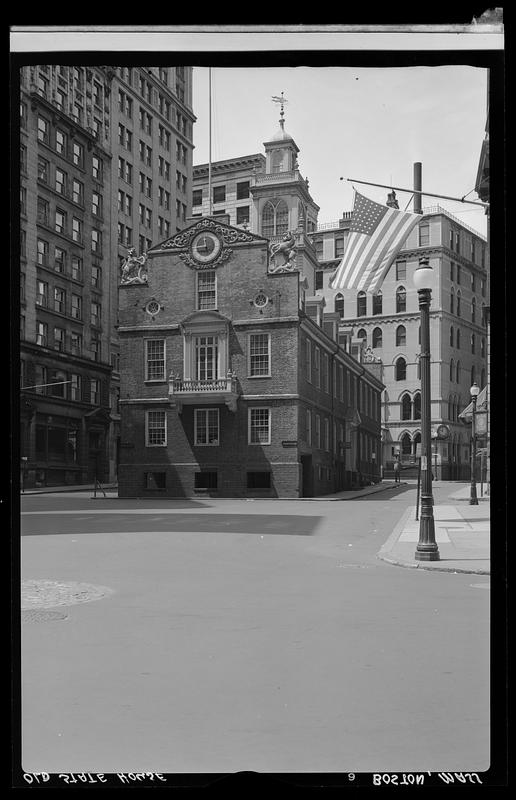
{"x":230,"y":635}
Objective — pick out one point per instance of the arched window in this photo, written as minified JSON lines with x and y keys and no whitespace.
{"x":377,"y":302}
{"x":473,"y":310}
{"x":400,"y":370}
{"x":339,"y":305}
{"x":406,"y":444}
{"x":458,"y":338}
{"x":459,"y":298}
{"x":274,"y":219}
{"x":401,"y":299}
{"x":452,"y":374}
{"x":415,"y":441}
{"x":451,"y":337}
{"x":377,"y":337}
{"x":417,"y":406}
{"x":473,"y":343}
{"x":457,"y":372}
{"x":406,"y":407}
{"x":361,"y":304}
{"x":452,"y":301}
{"x":362,"y":334}
{"x":401,"y":336}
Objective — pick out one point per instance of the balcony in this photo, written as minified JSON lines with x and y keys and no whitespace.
{"x":203,"y":392}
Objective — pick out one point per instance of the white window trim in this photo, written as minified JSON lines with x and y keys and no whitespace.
{"x":249,"y":410}
{"x":197,"y":298}
{"x":265,"y":374}
{"x":198,"y":411}
{"x":147,"y":444}
{"x":146,"y":360}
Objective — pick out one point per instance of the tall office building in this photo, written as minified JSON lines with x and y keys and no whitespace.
{"x":106,"y":165}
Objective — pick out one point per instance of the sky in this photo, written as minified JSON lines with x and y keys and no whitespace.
{"x":370,"y":124}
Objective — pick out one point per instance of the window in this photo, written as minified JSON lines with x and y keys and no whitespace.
{"x":206,"y":358}
{"x":242,"y":215}
{"x":339,"y":305}
{"x":164,"y":137}
{"x":58,"y":379}
{"x":43,"y":130}
{"x":42,"y":334}
{"x":401,"y":299}
{"x":473,"y":375}
{"x":242,"y":190}
{"x":43,"y":169}
{"x":452,"y":301}
{"x":59,"y":339}
{"x":406,"y":407}
{"x":457,"y":339}
{"x":400,"y":370}
{"x":206,"y":426}
{"x":59,"y":300}
{"x":458,"y":304}
{"x":452,"y":271}
{"x":458,"y":273}
{"x":23,"y":200}
{"x":401,"y":336}
{"x":326,"y":434}
{"x":452,"y":370}
{"x":483,"y":348}
{"x":401,"y":270}
{"x":76,"y":343}
{"x":155,"y":480}
{"x":473,"y":343}
{"x":155,"y":428}
{"x":60,"y":221}
{"x":94,"y":391}
{"x":76,"y":306}
{"x":424,"y":235}
{"x":457,"y":372}
{"x":205,"y":480}
{"x":42,"y":294}
{"x":259,"y":426}
{"x":76,"y":264}
{"x":309,"y":427}
{"x":96,"y":204}
{"x":259,"y":354}
{"x":258,"y":480}
{"x":318,"y":431}
{"x":43,"y":210}
{"x":378,"y":302}
{"x":75,"y":387}
{"x":206,"y":289}
{"x":377,"y":337}
{"x":451,"y":337}
{"x":317,"y":366}
{"x":96,"y":241}
{"x":96,"y":276}
{"x":155,"y":360}
{"x":274,"y":218}
{"x":95,"y":314}
{"x":219,"y":194}
{"x":78,"y":154}
{"x":417,"y":405}
{"x":97,"y":168}
{"x":61,"y":181}
{"x":308,"y":354}
{"x":361,"y":304}
{"x":473,"y":310}
{"x":339,"y":246}
{"x":61,"y":142}
{"x":78,"y":192}
{"x":197,"y":197}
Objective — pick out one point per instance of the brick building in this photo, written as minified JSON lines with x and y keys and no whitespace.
{"x":232,"y":379}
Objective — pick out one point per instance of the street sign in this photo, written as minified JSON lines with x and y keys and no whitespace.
{"x":423,"y":463}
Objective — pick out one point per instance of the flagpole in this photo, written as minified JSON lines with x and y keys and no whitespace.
{"x":209,"y":147}
{"x":426,"y":194}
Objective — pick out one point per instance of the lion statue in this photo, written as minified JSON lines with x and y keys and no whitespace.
{"x":133,"y":268}
{"x":287,"y":249}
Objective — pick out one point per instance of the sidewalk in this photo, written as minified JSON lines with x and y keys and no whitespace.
{"x":462,"y":533}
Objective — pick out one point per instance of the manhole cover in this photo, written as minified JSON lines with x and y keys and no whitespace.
{"x":43,"y":593}
{"x":34,"y":615}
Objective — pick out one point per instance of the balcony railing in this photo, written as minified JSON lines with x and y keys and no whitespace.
{"x":190,"y":391}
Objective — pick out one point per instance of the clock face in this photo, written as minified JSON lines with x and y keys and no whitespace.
{"x":206,"y":247}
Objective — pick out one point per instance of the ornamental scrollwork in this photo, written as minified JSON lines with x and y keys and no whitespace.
{"x":134,"y":268}
{"x":287,"y":250}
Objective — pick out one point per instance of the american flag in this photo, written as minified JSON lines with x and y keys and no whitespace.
{"x":376,"y":235}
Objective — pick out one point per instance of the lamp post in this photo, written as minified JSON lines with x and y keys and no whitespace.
{"x":474,"y":392}
{"x":426,"y":549}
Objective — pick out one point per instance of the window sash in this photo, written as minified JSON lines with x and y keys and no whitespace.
{"x":206,"y":427}
{"x":206,"y":290}
{"x":155,"y":359}
{"x":259,"y":426}
{"x":259,"y":354}
{"x":155,"y":429}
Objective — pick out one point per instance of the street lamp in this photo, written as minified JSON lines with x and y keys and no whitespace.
{"x":474,"y":392}
{"x":426,"y":549}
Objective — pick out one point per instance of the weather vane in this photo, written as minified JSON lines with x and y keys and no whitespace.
{"x":282,"y":100}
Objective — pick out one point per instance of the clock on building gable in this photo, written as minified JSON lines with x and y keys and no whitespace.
{"x":205,"y":247}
